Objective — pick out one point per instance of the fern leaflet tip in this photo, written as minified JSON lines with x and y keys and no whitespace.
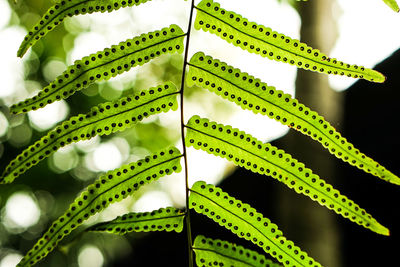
{"x":392,"y":4}
{"x":252,"y":94}
{"x":246,"y":151}
{"x":265,"y":42}
{"x":62,"y":9}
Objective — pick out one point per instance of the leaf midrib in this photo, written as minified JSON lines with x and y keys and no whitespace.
{"x":280,"y":48}
{"x":211,"y":200}
{"x":293,"y":114}
{"x":135,"y":221}
{"x":75,"y":129}
{"x":226,"y":256}
{"x":96,"y":197}
{"x":98,"y":66}
{"x":340,"y":205}
{"x":48,"y":21}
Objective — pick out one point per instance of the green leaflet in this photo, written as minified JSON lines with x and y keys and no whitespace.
{"x":247,"y":223}
{"x":246,"y":151}
{"x":253,"y":94}
{"x":392,"y":4}
{"x":103,"y":119}
{"x":109,"y":188}
{"x":261,"y":40}
{"x":106,"y":64}
{"x":211,"y":252}
{"x":68,"y":8}
{"x":165,"y":219}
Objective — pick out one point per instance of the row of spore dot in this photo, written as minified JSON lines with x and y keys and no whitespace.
{"x":239,"y":249}
{"x":114,"y":126}
{"x":303,"y":48}
{"x":280,"y":96}
{"x":299,"y":167}
{"x":78,"y":69}
{"x":92,"y":190}
{"x":42,"y":27}
{"x":270,"y":227}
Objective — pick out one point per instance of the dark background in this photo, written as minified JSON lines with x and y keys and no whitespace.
{"x":368,"y":119}
{"x":366,"y":104}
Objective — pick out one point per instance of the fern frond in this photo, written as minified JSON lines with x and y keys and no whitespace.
{"x":263,"y":41}
{"x":106,"y":64}
{"x":103,"y":119}
{"x":247,"y":223}
{"x":108,"y":188}
{"x":246,"y":151}
{"x":392,"y":4}
{"x":68,"y":8}
{"x":165,"y":219}
{"x":251,"y":93}
{"x":216,"y":252}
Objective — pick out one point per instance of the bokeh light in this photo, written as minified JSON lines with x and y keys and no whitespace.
{"x":3,"y":124}
{"x":91,"y":33}
{"x":65,"y":159}
{"x":5,"y":13}
{"x":11,"y":259}
{"x":152,"y":200}
{"x":47,"y":117}
{"x":20,"y":135}
{"x":21,"y":211}
{"x":105,"y":157}
{"x":90,"y":256}
{"x":366,"y":42}
{"x":11,"y":67}
{"x":88,"y":145}
{"x":52,"y":68}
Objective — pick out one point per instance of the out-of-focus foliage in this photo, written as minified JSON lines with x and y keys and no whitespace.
{"x":72,"y":168}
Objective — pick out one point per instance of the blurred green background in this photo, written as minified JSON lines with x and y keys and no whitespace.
{"x":38,"y":197}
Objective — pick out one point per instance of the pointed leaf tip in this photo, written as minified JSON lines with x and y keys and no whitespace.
{"x":263,"y":158}
{"x":392,"y":4}
{"x":63,"y":9}
{"x":264,"y":41}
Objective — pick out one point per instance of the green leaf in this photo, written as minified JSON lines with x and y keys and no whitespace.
{"x":107,"y":189}
{"x":246,"y":151}
{"x":251,"y":93}
{"x":211,"y":252}
{"x":68,"y":8}
{"x":244,"y":221}
{"x":165,"y":219}
{"x":106,"y":64}
{"x":103,"y":119}
{"x":392,"y":4}
{"x":263,"y":41}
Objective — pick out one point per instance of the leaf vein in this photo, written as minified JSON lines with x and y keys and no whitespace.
{"x":293,"y":114}
{"x":278,"y":47}
{"x":316,"y":189}
{"x":96,"y":197}
{"x":223,"y":255}
{"x":211,"y":200}
{"x":108,"y":62}
{"x":73,"y":130}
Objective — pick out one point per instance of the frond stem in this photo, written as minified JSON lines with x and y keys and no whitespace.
{"x":187,"y":218}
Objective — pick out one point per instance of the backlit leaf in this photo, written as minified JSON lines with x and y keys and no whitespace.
{"x":109,"y":188}
{"x":248,"y":152}
{"x":104,"y":119}
{"x":263,"y":41}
